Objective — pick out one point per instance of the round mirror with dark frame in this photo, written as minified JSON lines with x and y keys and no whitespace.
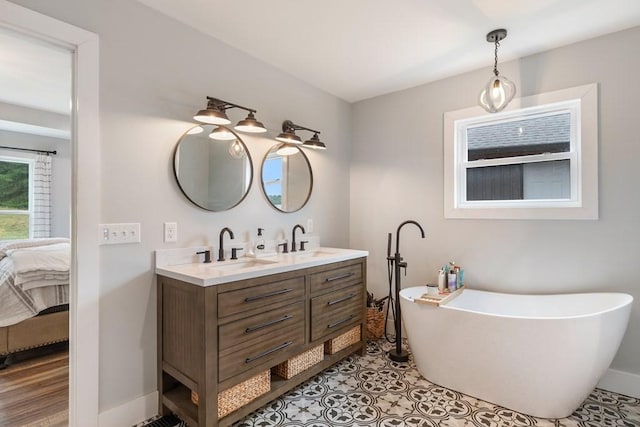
{"x":287,"y":179}
{"x":213,"y":167}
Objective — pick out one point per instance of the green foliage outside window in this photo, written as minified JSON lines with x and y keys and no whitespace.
{"x":14,"y":195}
{"x":14,"y":186}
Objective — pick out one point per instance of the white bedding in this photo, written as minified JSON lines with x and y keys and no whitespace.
{"x":39,"y":286}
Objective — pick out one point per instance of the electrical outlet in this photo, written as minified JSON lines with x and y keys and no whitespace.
{"x":115,"y":234}
{"x":309,"y":226}
{"x":170,"y":232}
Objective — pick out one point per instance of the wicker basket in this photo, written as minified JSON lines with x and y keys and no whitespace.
{"x":375,"y":323}
{"x":239,"y":395}
{"x":343,"y":341}
{"x":303,"y":361}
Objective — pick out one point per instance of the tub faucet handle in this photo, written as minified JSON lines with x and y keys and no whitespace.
{"x":404,"y":266}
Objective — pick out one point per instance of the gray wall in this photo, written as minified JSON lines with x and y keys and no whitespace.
{"x":154,"y":75}
{"x":397,"y":174}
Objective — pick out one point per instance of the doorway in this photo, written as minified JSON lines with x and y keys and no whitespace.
{"x":35,"y":219}
{"x":85,"y":198}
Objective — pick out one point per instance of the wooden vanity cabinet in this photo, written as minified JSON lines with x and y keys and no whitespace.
{"x":212,"y":338}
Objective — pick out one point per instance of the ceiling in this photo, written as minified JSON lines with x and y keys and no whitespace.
{"x":35,"y":77}
{"x":358,"y":49}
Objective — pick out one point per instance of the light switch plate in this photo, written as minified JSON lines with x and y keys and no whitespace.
{"x":115,"y":234}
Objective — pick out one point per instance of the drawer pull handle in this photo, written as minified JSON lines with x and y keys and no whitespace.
{"x":270,"y":294}
{"x":342,"y":276}
{"x":340,"y":322}
{"x":269,"y":323}
{"x":268,"y":352}
{"x":348,"y":297}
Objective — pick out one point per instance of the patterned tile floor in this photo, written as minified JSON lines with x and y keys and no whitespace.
{"x":372,"y":390}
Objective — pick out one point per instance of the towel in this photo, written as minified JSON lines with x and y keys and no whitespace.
{"x":41,"y":266}
{"x":7,"y":245}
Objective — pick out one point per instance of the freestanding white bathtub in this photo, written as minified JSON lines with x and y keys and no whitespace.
{"x":536,"y":354}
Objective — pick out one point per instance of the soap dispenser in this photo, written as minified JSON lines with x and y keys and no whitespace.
{"x":259,"y":242}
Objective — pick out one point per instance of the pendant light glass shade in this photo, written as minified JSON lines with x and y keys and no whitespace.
{"x":315,"y":143}
{"x":289,"y":138}
{"x":498,"y":92}
{"x":251,"y":125}
{"x":222,"y":134}
{"x":236,"y":150}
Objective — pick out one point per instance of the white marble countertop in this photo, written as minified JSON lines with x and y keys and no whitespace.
{"x":183,"y":264}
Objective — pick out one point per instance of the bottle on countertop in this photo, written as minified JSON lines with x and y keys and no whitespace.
{"x":452,"y":280}
{"x":442,"y":281}
{"x":259,"y":249}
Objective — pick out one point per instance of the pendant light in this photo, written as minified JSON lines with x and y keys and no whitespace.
{"x":499,"y":90}
{"x":216,"y":114}
{"x":236,"y":150}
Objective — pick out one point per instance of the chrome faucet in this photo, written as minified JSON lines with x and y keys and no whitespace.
{"x":293,"y":237}
{"x":221,"y":250}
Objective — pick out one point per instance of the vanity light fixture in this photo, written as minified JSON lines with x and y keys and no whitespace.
{"x":216,"y":114}
{"x":288,"y":136}
{"x":287,"y":150}
{"x":221,"y":133}
{"x":499,"y":90}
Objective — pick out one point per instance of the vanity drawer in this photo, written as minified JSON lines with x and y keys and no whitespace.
{"x":333,"y":278}
{"x":335,"y":310}
{"x":266,"y":295}
{"x":261,"y":327}
{"x":234,"y":361}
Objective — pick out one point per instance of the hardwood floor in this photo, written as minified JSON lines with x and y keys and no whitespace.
{"x":35,"y":392}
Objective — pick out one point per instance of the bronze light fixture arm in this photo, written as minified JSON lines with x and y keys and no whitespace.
{"x":288,"y":125}
{"x":225,"y":105}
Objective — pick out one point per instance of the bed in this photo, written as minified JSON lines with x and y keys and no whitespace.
{"x":34,"y":295}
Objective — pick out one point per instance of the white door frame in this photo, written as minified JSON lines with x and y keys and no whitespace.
{"x":85,"y":204}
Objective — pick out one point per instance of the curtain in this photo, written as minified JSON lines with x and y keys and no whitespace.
{"x":41,"y":221}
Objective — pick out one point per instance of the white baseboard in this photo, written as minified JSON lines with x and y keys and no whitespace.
{"x":621,"y":382}
{"x":131,"y":413}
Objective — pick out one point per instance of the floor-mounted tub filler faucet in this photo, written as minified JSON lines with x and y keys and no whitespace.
{"x":398,"y":354}
{"x":221,"y":243}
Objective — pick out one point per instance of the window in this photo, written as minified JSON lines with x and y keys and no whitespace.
{"x":536,"y":160}
{"x":15,"y":198}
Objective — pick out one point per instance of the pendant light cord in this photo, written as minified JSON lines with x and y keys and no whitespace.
{"x":495,"y":63}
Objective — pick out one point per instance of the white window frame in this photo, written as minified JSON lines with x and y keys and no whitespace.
{"x":29,"y":211}
{"x":581,"y":103}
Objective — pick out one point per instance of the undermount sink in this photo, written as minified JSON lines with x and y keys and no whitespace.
{"x":317,"y":253}
{"x":241,"y":264}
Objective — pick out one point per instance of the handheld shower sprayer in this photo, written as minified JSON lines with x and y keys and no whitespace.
{"x":397,"y":354}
